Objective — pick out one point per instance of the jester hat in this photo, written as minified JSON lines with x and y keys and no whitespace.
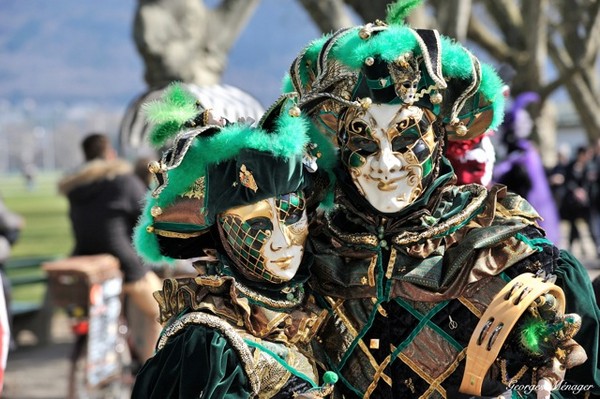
{"x":211,"y":168}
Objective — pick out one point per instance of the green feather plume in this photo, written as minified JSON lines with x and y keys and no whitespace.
{"x":399,"y":10}
{"x":175,"y":107}
{"x":533,"y":333}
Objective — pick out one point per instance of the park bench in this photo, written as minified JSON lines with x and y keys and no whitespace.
{"x":35,"y":314}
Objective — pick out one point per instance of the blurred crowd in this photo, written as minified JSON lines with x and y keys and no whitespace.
{"x":574,"y":182}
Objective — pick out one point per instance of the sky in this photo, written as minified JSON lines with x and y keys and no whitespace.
{"x":82,"y":51}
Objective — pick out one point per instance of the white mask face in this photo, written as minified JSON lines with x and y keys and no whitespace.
{"x":267,"y":238}
{"x":388,"y":151}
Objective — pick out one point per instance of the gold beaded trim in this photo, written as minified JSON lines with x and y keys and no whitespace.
{"x":366,"y":238}
{"x":511,"y":381}
{"x":272,"y":303}
{"x":173,"y":234}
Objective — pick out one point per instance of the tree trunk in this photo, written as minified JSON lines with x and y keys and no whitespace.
{"x":328,"y":15}
{"x":186,"y":41}
{"x":453,"y":18}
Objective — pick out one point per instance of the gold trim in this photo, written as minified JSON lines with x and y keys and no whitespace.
{"x":368,"y":239}
{"x":336,"y":309}
{"x":371,"y":271}
{"x":273,"y":303}
{"x":232,"y":336}
{"x":442,"y":377}
{"x":379,"y":374}
{"x":410,"y":237}
{"x":469,"y":305}
{"x":414,"y":367}
{"x":391,"y":263}
{"x":173,"y":234}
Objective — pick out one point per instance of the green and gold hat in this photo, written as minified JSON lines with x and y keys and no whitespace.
{"x":210,"y":168}
{"x":392,"y":63}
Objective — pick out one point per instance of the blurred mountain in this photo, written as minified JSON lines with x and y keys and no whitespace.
{"x":70,"y":51}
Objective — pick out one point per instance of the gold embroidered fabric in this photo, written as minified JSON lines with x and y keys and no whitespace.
{"x":217,"y":302}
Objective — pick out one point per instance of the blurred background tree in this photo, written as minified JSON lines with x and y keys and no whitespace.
{"x":552,"y":44}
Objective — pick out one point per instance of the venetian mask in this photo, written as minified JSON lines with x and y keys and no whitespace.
{"x":267,"y":238}
{"x":472,"y":160}
{"x":388,"y":151}
{"x":406,"y":76}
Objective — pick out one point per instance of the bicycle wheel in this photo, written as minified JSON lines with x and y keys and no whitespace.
{"x":117,"y":386}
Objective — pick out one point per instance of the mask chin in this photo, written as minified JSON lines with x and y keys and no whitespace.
{"x":393,"y":193}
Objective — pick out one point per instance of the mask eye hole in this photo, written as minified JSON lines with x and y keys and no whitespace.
{"x":363,"y":145}
{"x":291,"y":207}
{"x":293,"y":217}
{"x":402,"y":142}
{"x":260,"y":223}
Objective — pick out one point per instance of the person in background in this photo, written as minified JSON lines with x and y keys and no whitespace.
{"x":11,"y":225}
{"x":473,"y":160}
{"x":594,"y":178}
{"x":105,"y":201}
{"x":577,"y":205}
{"x":557,"y":175}
{"x":522,"y":170}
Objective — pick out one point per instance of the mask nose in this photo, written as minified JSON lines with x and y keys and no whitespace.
{"x":385,"y":164}
{"x":279,"y":237}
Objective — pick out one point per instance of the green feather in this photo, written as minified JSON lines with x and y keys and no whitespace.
{"x":399,"y":10}
{"x":533,"y":333}
{"x":168,"y":114}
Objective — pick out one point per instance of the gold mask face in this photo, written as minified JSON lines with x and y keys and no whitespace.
{"x":267,"y":238}
{"x":388,"y":152}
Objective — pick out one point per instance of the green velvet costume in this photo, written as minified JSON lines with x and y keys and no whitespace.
{"x":223,"y":339}
{"x":234,"y":331}
{"x":405,"y":294}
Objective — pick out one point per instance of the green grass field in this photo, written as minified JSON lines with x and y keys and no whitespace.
{"x":47,"y":231}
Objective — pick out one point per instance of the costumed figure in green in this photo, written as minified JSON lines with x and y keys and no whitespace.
{"x":233,"y":198}
{"x":434,"y":290}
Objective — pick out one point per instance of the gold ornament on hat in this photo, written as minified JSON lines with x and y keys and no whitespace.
{"x":294,"y":112}
{"x":197,"y":189}
{"x":247,"y":179}
{"x":406,"y":75}
{"x":436,"y":98}
{"x":155,"y":167}
{"x":366,"y":31}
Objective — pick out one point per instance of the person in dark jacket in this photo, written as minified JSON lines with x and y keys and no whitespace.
{"x":105,"y":201}
{"x":577,"y":205}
